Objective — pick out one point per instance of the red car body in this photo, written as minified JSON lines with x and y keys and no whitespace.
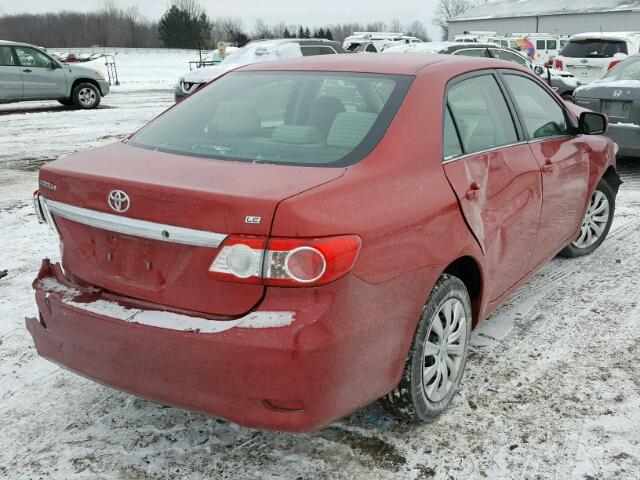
{"x":492,"y":218}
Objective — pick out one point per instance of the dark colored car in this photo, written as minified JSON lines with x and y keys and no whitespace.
{"x":300,"y":238}
{"x":617,"y":95}
{"x":564,"y":83}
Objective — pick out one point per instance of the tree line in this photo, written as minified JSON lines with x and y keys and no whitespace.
{"x":185,"y":24}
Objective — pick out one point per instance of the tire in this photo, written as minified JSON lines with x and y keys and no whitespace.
{"x":417,"y":400}
{"x":595,"y":226}
{"x":66,"y":102}
{"x":86,"y":96}
{"x":567,"y":97}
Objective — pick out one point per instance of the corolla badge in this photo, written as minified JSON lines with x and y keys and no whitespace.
{"x":118,"y":201}
{"x":617,"y":93}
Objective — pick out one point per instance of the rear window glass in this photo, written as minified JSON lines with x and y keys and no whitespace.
{"x":593,"y":48}
{"x":298,"y":118}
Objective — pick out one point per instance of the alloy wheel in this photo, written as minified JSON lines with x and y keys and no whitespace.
{"x":595,"y":221}
{"x":444,"y":350}
{"x":87,"y":97}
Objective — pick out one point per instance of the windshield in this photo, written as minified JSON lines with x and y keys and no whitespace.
{"x":593,"y":48}
{"x":627,"y":70}
{"x":301,"y":118}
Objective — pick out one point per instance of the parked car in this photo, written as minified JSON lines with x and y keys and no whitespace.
{"x":617,"y":95}
{"x":375,"y":41}
{"x":588,"y":56}
{"x":257,"y":51}
{"x":564,"y":83}
{"x":29,"y":73}
{"x":265,"y":253}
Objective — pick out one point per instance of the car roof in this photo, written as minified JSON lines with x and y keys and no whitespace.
{"x":635,"y":36}
{"x":16,"y":44}
{"x":390,"y":64}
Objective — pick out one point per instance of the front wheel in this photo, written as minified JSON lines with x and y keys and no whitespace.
{"x":596,"y":222}
{"x":438,"y":354}
{"x":86,"y":96}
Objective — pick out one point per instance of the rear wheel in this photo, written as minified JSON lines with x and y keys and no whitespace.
{"x":596,"y":223}
{"x":86,"y":96}
{"x":438,"y":354}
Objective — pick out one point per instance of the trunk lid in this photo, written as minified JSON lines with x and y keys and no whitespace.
{"x":202,"y":195}
{"x":618,"y":99}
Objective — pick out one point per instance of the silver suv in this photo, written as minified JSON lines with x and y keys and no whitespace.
{"x":29,"y":73}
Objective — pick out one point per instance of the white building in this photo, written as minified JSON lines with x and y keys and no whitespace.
{"x":564,"y":17}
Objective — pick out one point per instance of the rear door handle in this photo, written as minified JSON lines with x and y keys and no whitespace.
{"x":547,"y":167}
{"x":473,"y":191}
{"x":27,"y":70}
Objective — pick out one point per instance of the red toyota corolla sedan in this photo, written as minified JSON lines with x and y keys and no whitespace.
{"x":301,"y":238}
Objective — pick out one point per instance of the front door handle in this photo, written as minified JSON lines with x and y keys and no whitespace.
{"x":547,"y":167}
{"x":27,"y":70}
{"x":473,"y":191}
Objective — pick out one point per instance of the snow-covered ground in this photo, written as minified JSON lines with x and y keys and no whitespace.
{"x":552,"y":388}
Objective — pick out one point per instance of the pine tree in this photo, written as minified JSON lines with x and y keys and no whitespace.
{"x":328,"y":35}
{"x":300,"y":32}
{"x":181,"y":27}
{"x":320,"y":33}
{"x":286,"y":33}
{"x":307,"y":33}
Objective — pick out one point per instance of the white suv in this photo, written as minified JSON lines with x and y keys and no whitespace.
{"x":588,"y":56}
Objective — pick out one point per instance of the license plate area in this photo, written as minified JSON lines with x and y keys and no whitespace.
{"x":617,"y":109}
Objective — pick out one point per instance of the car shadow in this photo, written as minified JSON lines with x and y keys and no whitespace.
{"x":44,"y":109}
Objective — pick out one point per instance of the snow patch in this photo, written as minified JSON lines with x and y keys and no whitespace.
{"x":50,"y":284}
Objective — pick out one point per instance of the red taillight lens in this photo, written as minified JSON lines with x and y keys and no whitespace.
{"x":559,"y":64}
{"x":613,"y":64}
{"x":285,"y":261}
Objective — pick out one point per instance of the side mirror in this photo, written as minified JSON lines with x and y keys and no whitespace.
{"x":538,"y":70}
{"x":592,"y":123}
{"x":53,"y":65}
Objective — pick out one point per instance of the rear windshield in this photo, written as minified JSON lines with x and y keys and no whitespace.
{"x":299,"y":118}
{"x":627,"y":70}
{"x":593,"y":48}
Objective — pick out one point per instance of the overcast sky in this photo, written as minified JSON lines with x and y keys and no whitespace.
{"x":291,"y":11}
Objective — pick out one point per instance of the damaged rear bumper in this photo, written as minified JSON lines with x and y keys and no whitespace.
{"x":261,"y":370}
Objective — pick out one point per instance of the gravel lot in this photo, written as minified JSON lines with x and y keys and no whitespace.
{"x":552,"y":388}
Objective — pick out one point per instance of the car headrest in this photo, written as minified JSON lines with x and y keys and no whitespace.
{"x":297,"y":135}
{"x":350,"y":128}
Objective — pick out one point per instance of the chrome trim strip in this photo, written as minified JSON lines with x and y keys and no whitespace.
{"x":132,"y":226}
{"x":452,"y":158}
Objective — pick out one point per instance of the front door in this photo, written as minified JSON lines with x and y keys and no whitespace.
{"x":563,"y":159}
{"x":41,"y":77}
{"x":10,"y":76}
{"x":495,"y":177}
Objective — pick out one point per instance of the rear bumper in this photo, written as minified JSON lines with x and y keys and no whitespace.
{"x":297,"y":377}
{"x":627,"y":136}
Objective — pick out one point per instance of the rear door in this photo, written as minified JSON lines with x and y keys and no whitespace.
{"x":10,"y":76}
{"x":40,"y":80}
{"x":494,"y":175}
{"x":564,"y":160}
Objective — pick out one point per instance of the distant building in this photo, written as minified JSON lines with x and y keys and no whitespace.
{"x":564,"y":17}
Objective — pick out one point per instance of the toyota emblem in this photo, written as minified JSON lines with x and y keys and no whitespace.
{"x":617,"y":93}
{"x":118,"y":201}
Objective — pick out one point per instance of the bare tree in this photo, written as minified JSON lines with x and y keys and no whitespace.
{"x":262,"y":30}
{"x":447,"y":10}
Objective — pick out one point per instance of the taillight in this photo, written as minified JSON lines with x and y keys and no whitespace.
{"x":559,"y":64}
{"x":285,"y":262}
{"x":613,"y":64}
